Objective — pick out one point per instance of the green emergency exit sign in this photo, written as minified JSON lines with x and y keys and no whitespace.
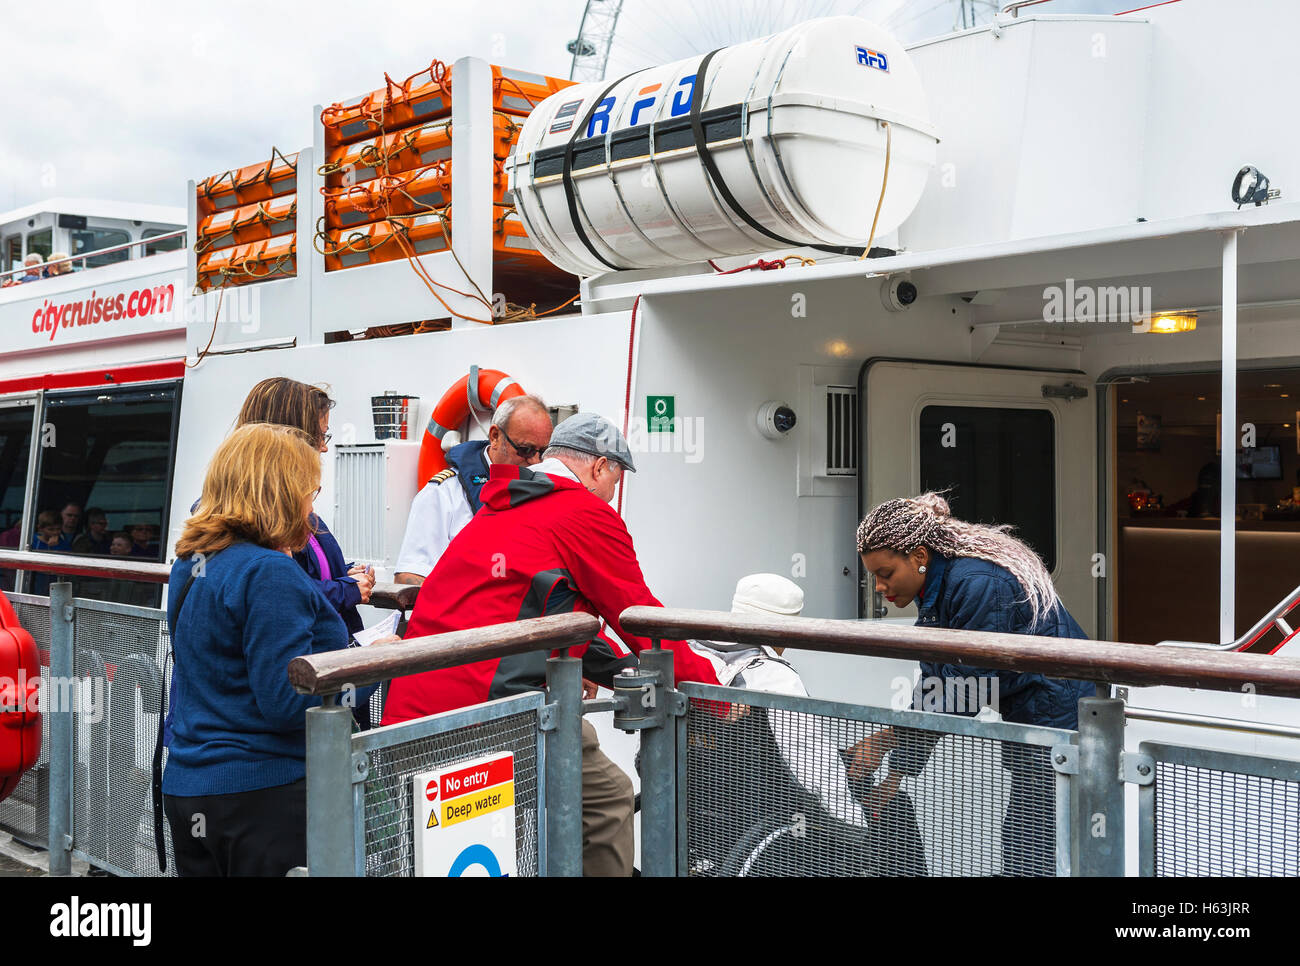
{"x":659,"y":412}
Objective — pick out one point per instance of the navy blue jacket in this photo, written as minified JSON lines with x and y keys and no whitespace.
{"x":471,"y":466}
{"x":966,"y":593}
{"x":340,"y":590}
{"x":238,"y":723}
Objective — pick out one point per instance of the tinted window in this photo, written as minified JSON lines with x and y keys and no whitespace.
{"x":93,"y":239}
{"x":41,"y":242}
{"x":166,"y":245}
{"x":998,"y":465}
{"x":15,"y":449}
{"x":109,"y":451}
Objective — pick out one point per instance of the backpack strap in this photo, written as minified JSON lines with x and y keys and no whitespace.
{"x":159,"y":842}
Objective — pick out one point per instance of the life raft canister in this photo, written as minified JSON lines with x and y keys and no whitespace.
{"x":20,"y":721}
{"x":489,"y":387}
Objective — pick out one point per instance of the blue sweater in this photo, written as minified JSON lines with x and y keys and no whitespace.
{"x":238,"y":725}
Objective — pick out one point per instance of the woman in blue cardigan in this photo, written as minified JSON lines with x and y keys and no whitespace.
{"x":239,"y":610}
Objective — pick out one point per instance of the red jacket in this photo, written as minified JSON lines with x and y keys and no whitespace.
{"x":540,"y":545}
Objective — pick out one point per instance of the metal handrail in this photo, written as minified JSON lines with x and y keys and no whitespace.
{"x":331,"y":672}
{"x":1014,"y":8}
{"x":74,"y":565}
{"x":1105,"y":661}
{"x":100,"y":251}
{"x":1275,"y":617}
{"x":1209,"y":721}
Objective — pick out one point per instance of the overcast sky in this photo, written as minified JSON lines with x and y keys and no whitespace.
{"x":127,"y":100}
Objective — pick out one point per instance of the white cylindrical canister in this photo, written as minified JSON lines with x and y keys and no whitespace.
{"x":795,"y":125}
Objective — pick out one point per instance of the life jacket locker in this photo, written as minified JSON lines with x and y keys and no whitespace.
{"x":244,"y":264}
{"x":416,"y":147}
{"x":249,"y":223}
{"x":426,"y":96}
{"x":413,"y":193}
{"x":245,"y":186}
{"x":20,"y":719}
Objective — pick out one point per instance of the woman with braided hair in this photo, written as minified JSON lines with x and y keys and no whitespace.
{"x":970,"y":576}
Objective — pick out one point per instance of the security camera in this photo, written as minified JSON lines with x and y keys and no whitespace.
{"x":898,"y":294}
{"x":775,"y":419}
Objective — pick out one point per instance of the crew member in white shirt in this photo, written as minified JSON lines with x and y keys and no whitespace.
{"x":520,"y":430}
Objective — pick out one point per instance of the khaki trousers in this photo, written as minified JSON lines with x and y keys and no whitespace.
{"x":607,"y":836}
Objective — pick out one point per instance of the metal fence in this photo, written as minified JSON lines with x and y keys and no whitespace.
{"x":1215,"y":813}
{"x":769,"y":791}
{"x":103,"y":684}
{"x":387,"y":803}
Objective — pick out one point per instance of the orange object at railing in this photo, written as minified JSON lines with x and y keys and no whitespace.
{"x":425,"y":96}
{"x":248,"y":185}
{"x":407,"y":150}
{"x":237,"y":226}
{"x":244,"y":264}
{"x":411,"y":193}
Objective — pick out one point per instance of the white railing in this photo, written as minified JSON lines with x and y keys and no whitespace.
{"x":1274,"y":618}
{"x":84,"y":256}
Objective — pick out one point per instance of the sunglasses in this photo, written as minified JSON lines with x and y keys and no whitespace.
{"x":527,"y":452}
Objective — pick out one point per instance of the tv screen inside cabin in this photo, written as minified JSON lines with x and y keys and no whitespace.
{"x":1260,"y":463}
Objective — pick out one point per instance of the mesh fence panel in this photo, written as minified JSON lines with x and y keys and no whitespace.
{"x":119,"y":669}
{"x":389,"y":835}
{"x":25,"y":814}
{"x":1222,"y":823}
{"x":768,"y":793}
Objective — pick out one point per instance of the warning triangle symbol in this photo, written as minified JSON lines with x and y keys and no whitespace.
{"x":433,"y":818}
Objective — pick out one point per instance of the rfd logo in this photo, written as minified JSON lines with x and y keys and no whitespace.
{"x":646,"y":98}
{"x":873,"y":58}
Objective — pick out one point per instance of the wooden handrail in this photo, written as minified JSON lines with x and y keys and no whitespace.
{"x":75,"y":565}
{"x":331,"y":672}
{"x":1058,"y":657}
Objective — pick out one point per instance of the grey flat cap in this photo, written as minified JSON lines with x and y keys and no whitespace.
{"x":589,"y":433}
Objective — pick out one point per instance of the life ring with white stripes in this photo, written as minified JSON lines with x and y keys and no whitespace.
{"x":484,"y":389}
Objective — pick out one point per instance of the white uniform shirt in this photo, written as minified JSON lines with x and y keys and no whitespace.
{"x":438,"y":513}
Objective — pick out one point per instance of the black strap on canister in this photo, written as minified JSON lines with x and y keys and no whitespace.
{"x":570,"y":193}
{"x":711,"y":166}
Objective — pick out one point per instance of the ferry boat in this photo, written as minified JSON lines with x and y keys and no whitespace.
{"x":1093,"y":290}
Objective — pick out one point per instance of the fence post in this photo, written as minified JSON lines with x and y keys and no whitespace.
{"x":1099,"y":790}
{"x":659,"y":772}
{"x":331,"y":830}
{"x":59,"y":701}
{"x":564,"y":768}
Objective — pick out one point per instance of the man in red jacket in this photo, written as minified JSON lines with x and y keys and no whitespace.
{"x":546,"y":541}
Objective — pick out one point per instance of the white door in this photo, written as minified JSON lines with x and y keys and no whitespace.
{"x":1015,"y":446}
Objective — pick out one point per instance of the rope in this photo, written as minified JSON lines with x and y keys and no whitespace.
{"x":884,"y":180}
{"x":221,"y":297}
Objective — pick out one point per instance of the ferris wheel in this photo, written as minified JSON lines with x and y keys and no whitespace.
{"x":618,"y":36}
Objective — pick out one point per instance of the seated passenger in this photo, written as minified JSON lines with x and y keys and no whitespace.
{"x":887,"y":841}
{"x":96,"y":539}
{"x":34,"y":271}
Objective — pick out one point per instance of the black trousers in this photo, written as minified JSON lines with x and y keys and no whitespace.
{"x":259,"y":833}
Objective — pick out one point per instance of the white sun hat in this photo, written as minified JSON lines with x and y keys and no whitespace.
{"x":766,"y":595}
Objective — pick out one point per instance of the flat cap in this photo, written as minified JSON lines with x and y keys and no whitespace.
{"x":590,"y":433}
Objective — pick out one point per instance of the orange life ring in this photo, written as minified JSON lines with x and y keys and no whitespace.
{"x":493,"y":388}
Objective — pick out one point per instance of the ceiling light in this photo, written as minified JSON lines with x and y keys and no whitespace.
{"x":1170,"y":323}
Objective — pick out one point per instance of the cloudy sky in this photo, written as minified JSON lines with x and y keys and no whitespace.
{"x":128,"y":99}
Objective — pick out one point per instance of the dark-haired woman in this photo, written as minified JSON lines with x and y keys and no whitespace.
{"x":969,"y":576}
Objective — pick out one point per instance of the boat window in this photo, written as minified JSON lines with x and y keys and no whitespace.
{"x":105,"y":471}
{"x":15,"y":452}
{"x":41,"y":242}
{"x":166,"y":245}
{"x":93,"y":239}
{"x":997,"y":465}
{"x":13,"y":253}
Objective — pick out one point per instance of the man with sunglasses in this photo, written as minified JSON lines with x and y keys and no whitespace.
{"x":520,"y":431}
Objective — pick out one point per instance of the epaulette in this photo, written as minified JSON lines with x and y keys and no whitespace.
{"x":446,"y":474}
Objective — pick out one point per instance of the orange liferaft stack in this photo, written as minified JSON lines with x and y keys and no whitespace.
{"x":248,"y":219}
{"x":388,"y":177}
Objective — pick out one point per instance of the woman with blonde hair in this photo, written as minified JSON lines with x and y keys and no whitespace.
{"x":970,"y":576}
{"x":239,"y":610}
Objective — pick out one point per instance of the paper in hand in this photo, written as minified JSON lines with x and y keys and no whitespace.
{"x":368,"y":635}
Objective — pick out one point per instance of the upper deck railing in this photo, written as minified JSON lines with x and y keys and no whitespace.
{"x":85,"y":256}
